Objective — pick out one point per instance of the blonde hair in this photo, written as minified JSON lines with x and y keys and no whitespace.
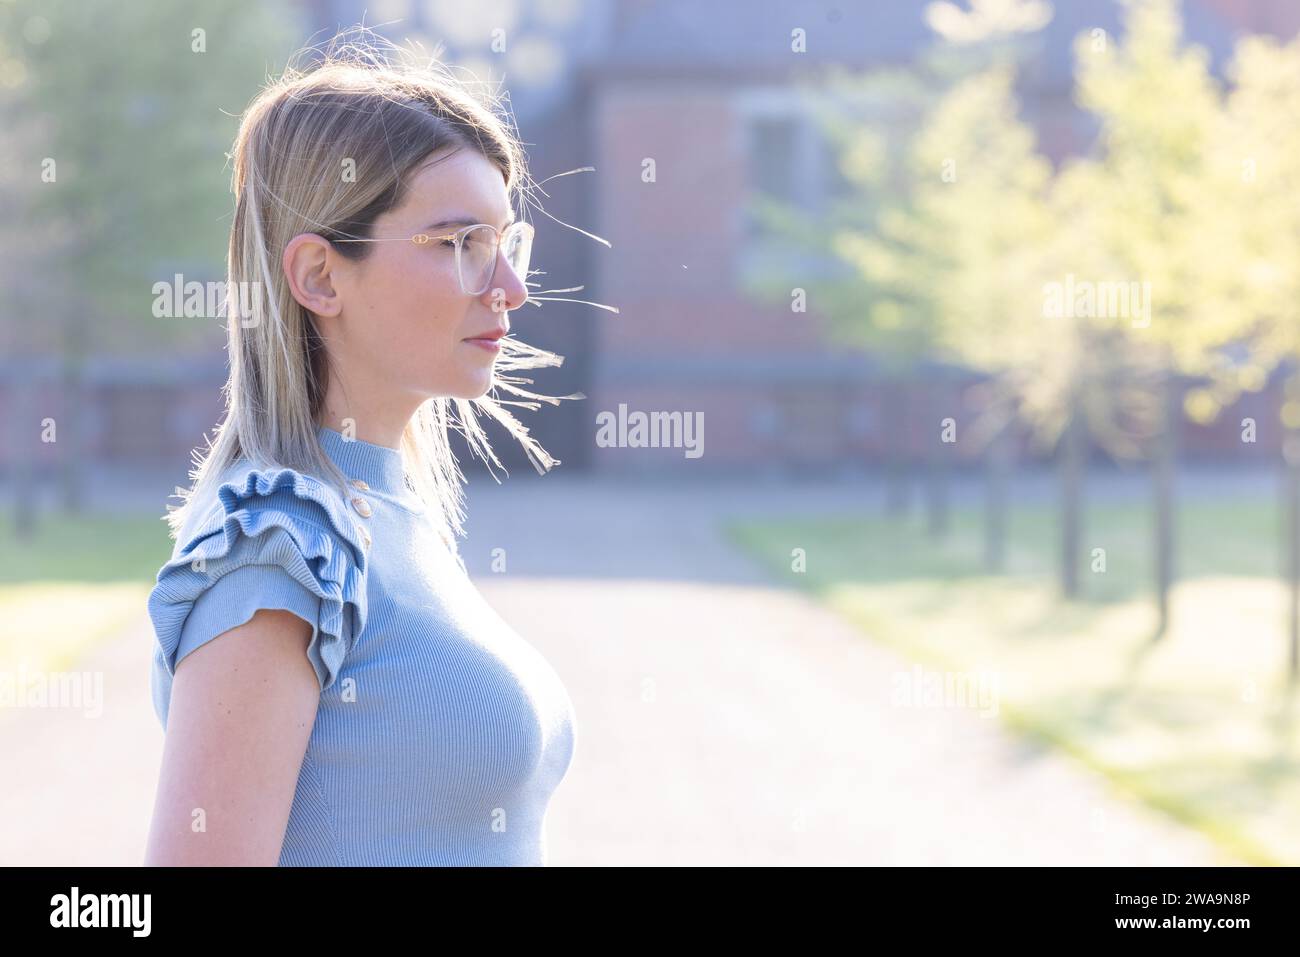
{"x":385,"y":112}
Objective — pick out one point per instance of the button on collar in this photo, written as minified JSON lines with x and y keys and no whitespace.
{"x":365,"y":466}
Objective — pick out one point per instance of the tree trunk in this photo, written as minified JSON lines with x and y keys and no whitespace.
{"x":69,"y":427}
{"x":997,"y":472}
{"x":1291,"y":535}
{"x":1073,"y":449}
{"x":897,"y":487}
{"x":1292,"y":482}
{"x":940,"y":458}
{"x":1165,"y":464}
{"x":24,"y":447}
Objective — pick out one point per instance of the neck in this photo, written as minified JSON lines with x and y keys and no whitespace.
{"x":379,"y":467}
{"x":380,"y":422}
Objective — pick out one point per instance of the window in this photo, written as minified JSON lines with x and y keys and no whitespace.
{"x":788,"y":159}
{"x":773,"y":157}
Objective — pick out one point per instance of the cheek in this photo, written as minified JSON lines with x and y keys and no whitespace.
{"x":417,"y":301}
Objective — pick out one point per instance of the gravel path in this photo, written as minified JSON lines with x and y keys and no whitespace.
{"x":724,"y":721}
{"x":720,"y":720}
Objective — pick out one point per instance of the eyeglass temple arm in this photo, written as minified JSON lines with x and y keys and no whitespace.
{"x":419,"y":239}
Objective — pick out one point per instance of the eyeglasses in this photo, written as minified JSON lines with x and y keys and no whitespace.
{"x":476,"y":251}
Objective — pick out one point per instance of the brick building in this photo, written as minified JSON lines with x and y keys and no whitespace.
{"x":705,"y":96}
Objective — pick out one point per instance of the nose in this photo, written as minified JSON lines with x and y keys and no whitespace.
{"x":507,"y":291}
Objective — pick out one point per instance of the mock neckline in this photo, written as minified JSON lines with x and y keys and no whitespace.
{"x":378,"y":466}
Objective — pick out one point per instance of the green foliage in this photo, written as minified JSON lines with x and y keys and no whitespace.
{"x":138,"y":121}
{"x":1195,"y":725}
{"x":962,"y":241}
{"x":1247,"y":242}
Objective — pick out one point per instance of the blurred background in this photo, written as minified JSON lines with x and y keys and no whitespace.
{"x":935,"y":498}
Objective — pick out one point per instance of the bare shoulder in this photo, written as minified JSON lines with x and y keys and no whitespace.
{"x":242,"y":710}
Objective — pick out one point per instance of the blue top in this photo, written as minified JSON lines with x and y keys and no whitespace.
{"x":441,"y":733}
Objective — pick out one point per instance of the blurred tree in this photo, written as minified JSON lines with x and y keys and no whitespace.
{"x":964,"y":240}
{"x":898,"y":227}
{"x":866,"y":122}
{"x":1159,"y":110}
{"x":974,"y":243}
{"x":131,"y":109}
{"x":959,"y":259}
{"x":1245,"y":245}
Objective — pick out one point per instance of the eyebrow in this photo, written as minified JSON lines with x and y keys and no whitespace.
{"x":463,"y":221}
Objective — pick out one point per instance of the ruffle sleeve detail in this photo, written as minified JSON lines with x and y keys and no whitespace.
{"x":297,"y":530}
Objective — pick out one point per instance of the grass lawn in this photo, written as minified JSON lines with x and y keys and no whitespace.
{"x":1198,"y":722}
{"x":80,"y":580}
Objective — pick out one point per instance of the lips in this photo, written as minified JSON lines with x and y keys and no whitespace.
{"x":492,"y":336}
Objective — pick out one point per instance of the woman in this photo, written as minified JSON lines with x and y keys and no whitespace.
{"x":333,"y":688}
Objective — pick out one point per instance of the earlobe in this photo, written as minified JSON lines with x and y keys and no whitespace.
{"x":307,"y":268}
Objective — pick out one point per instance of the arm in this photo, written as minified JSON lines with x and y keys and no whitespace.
{"x":242,"y":710}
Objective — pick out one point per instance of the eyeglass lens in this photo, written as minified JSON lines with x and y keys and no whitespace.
{"x":478,"y":256}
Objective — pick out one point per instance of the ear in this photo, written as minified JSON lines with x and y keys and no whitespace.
{"x":307,"y":262}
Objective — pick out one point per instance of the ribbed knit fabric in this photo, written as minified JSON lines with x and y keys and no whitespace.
{"x":441,"y":734}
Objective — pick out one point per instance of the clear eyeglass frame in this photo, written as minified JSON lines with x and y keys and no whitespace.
{"x":524,"y":229}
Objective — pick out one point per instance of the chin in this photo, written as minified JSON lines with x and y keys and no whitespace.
{"x":474,"y":387}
